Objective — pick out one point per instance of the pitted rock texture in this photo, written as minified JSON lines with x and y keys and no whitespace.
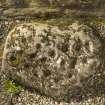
{"x":5,"y":27}
{"x":51,"y":59}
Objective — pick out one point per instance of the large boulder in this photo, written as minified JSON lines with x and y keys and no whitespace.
{"x":50,"y":59}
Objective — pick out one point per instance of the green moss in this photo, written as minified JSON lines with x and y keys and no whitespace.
{"x":11,"y":87}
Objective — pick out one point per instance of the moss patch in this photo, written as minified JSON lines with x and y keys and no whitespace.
{"x":12,"y":87}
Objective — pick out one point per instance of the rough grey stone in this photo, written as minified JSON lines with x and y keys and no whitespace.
{"x":51,"y":59}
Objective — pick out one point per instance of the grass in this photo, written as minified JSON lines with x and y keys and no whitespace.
{"x":12,"y":87}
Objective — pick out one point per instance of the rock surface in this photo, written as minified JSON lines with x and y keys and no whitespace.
{"x":76,"y":87}
{"x":51,"y":60}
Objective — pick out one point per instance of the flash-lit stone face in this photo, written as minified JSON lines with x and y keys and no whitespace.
{"x":49,"y":59}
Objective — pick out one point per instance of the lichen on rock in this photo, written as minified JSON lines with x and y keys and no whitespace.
{"x":49,"y":59}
